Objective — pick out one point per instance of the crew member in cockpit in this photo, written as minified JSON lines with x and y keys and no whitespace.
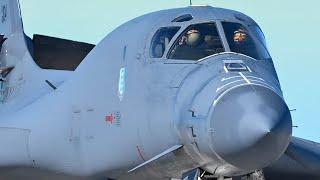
{"x":240,"y":39}
{"x":188,"y":45}
{"x":239,"y":36}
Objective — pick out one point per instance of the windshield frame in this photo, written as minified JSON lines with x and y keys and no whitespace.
{"x":154,"y":36}
{"x":149,"y":39}
{"x":221,"y":32}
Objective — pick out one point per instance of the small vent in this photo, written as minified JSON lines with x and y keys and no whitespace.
{"x":183,"y":18}
{"x":236,"y":67}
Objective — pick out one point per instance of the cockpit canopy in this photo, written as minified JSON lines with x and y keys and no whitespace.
{"x":200,"y":40}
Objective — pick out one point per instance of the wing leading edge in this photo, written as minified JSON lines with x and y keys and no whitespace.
{"x":301,"y":161}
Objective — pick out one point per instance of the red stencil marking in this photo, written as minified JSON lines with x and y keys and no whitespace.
{"x":109,"y":118}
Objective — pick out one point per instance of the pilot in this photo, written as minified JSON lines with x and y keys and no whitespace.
{"x":239,"y":36}
{"x":243,"y":43}
{"x":188,"y":45}
{"x":193,"y":37}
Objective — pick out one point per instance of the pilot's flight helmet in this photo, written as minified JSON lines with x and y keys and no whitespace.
{"x":193,"y":37}
{"x":239,"y":36}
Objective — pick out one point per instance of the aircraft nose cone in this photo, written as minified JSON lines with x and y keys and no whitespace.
{"x":251,"y":127}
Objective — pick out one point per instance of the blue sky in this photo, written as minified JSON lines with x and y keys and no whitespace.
{"x":292,"y":30}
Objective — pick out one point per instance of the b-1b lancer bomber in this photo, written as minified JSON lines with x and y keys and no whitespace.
{"x":188,"y":93}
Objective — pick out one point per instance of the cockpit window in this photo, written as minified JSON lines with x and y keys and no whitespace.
{"x":196,"y":42}
{"x":161,"y":40}
{"x":259,"y":34}
{"x":241,"y":41}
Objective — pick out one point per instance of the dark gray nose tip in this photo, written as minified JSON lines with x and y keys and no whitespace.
{"x":252,"y":127}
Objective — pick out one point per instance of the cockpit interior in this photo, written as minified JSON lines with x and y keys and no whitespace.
{"x":200,"y":40}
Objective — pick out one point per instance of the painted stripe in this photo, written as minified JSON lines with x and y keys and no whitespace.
{"x":228,"y":78}
{"x":140,"y":154}
{"x":245,"y":78}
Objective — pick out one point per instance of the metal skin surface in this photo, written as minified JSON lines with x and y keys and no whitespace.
{"x":220,"y":139}
{"x":120,"y":107}
{"x":301,"y":161}
{"x":258,"y":123}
